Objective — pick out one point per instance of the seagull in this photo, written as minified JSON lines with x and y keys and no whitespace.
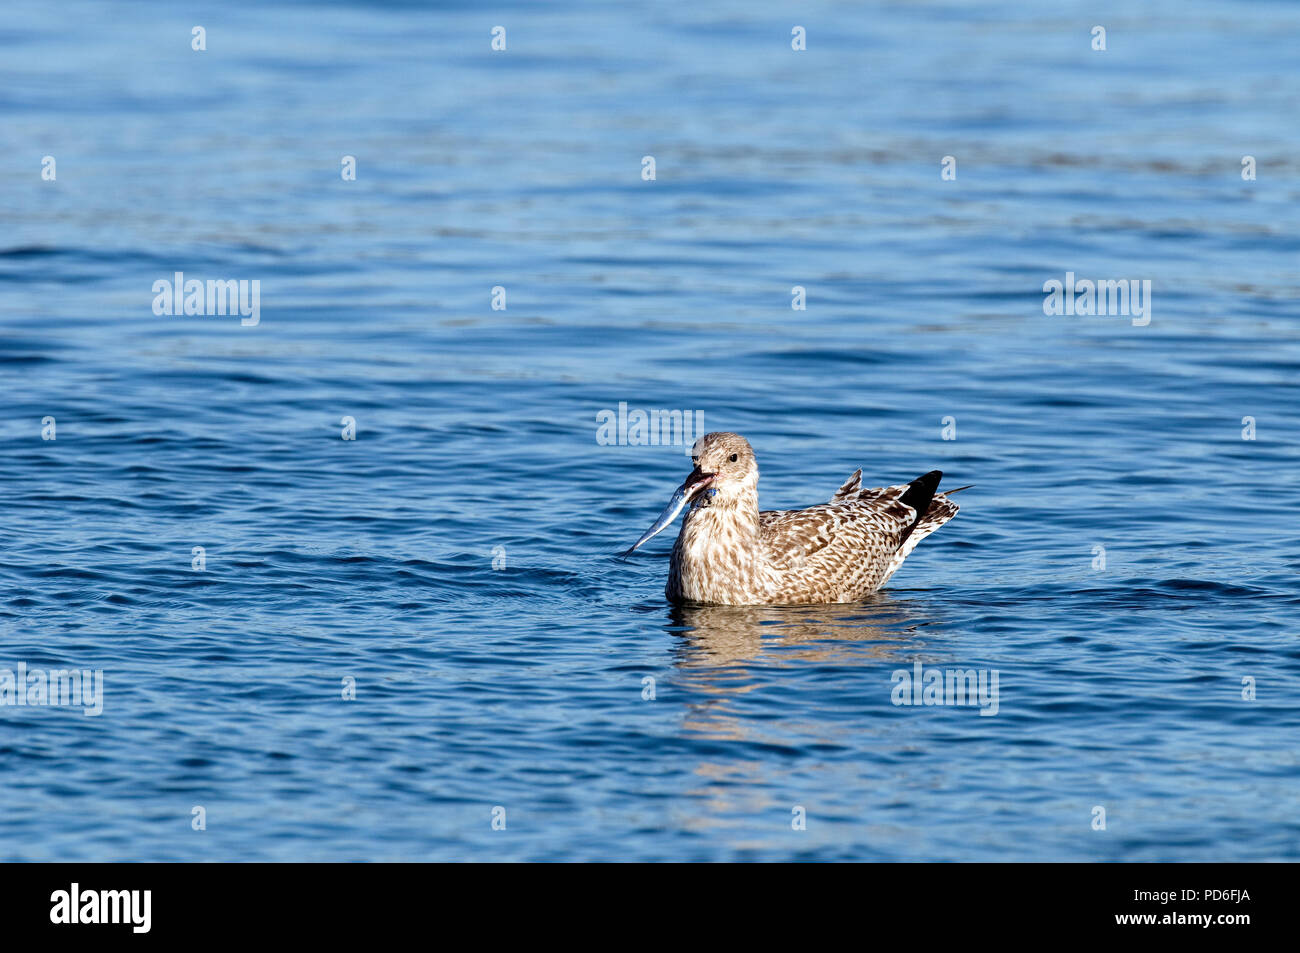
{"x":729,"y":552}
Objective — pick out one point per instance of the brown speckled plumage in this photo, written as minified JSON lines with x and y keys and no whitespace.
{"x":730,"y":553}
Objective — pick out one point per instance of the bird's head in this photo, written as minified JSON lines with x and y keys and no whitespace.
{"x":725,"y":475}
{"x":725,"y":469}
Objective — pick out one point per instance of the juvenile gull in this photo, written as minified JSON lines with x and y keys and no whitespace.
{"x":730,"y":553}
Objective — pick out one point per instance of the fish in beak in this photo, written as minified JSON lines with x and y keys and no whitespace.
{"x":695,"y":483}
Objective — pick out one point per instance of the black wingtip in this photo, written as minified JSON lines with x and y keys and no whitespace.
{"x":918,"y":495}
{"x":922,"y":490}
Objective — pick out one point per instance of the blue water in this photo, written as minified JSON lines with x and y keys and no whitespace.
{"x":370,"y":562}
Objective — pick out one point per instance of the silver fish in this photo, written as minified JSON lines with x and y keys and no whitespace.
{"x":681,"y":499}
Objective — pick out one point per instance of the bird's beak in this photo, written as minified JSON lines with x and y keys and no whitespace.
{"x":696,"y":482}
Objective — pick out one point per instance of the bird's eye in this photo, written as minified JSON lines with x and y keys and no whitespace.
{"x":735,"y":457}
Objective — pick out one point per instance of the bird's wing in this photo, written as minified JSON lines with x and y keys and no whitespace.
{"x":850,"y":488}
{"x":854,"y":491}
{"x":832,"y":534}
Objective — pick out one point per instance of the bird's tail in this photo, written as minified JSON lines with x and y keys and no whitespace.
{"x":938,"y":510}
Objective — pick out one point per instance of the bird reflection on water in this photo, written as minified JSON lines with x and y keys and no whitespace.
{"x":728,"y":651}
{"x":715,"y":636}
